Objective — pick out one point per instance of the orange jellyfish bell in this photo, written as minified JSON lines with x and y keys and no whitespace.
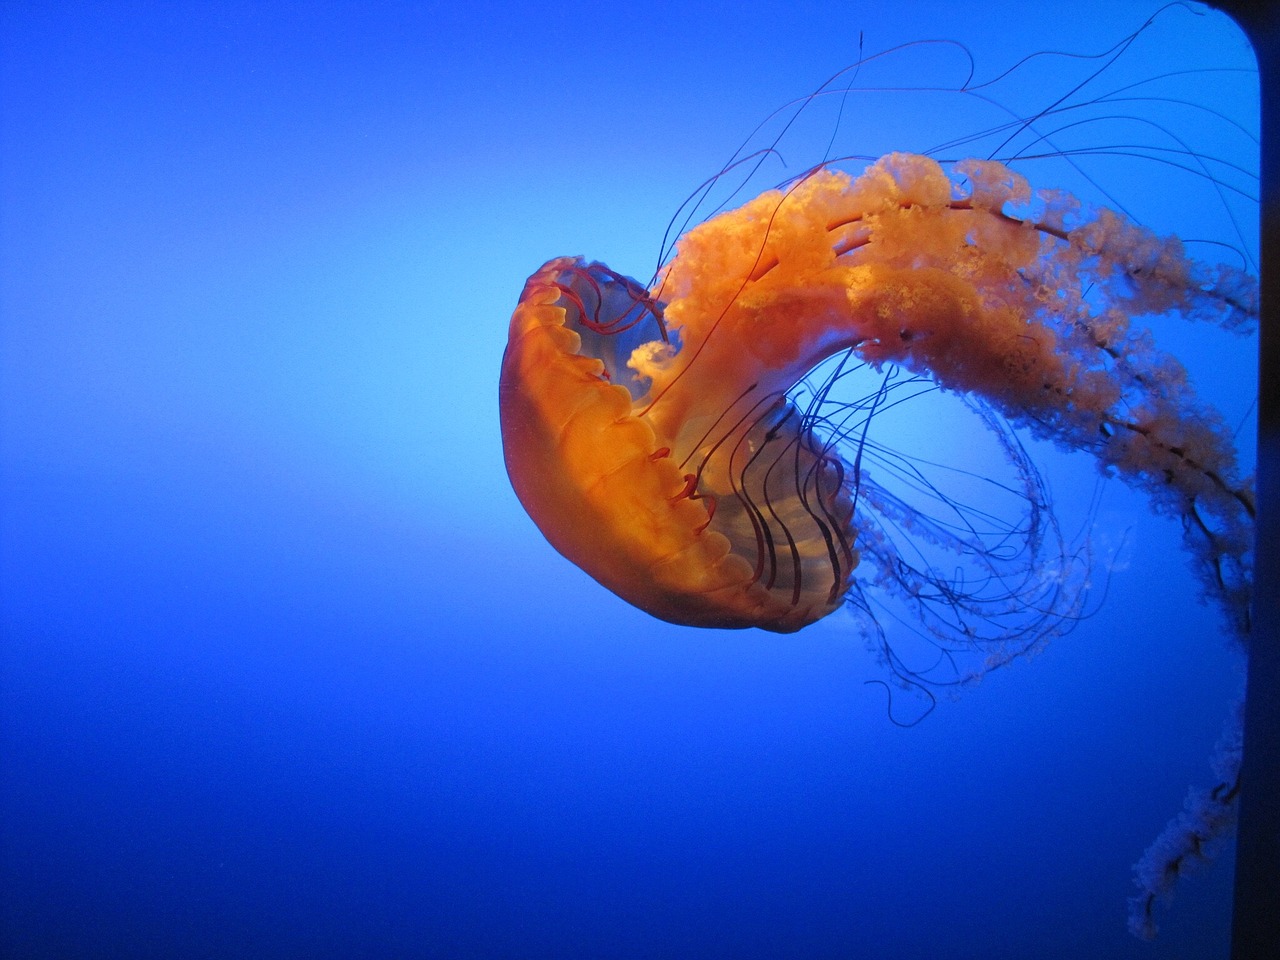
{"x":593,"y":460}
{"x":652,"y":438}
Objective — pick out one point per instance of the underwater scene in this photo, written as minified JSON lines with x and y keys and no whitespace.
{"x":664,"y":480}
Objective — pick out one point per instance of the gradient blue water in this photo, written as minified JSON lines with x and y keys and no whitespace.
{"x":286,"y":671}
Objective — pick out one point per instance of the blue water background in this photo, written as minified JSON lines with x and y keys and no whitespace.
{"x":285,"y":670}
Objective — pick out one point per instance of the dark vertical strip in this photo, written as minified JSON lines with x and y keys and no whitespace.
{"x":1255,"y":932}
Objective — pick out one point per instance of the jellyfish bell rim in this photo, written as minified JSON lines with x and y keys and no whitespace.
{"x":592,"y":476}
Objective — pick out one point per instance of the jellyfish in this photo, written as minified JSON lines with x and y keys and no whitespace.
{"x":687,"y":444}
